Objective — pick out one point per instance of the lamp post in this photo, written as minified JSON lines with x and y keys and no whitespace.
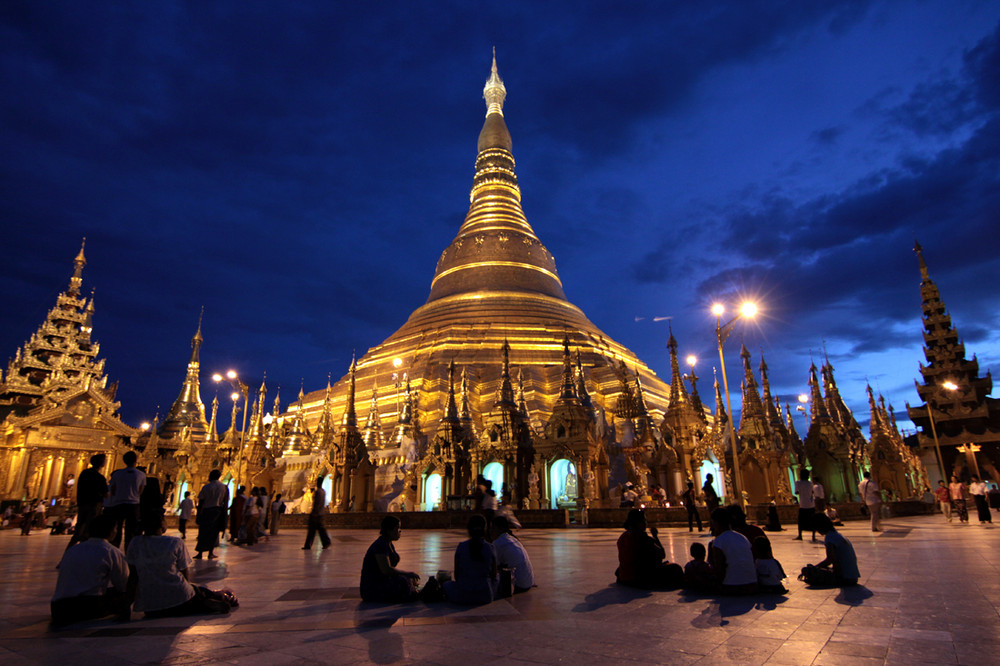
{"x":238,"y":384}
{"x":748,"y":310}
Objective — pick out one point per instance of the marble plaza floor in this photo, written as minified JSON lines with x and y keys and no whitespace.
{"x":930,"y":594}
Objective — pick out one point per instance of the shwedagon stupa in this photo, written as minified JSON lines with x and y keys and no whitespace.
{"x":495,"y":285}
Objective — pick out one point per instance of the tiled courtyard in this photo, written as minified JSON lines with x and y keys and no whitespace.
{"x":930,"y":594}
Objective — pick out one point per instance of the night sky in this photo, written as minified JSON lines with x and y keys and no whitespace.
{"x":297,"y":168}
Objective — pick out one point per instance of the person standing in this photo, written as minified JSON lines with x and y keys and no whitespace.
{"x":187,"y":510}
{"x":711,"y":497}
{"x":277,"y":508}
{"x":691,"y":505}
{"x":872,"y":497}
{"x":236,"y":510}
{"x":91,"y":489}
{"x":819,"y":495}
{"x":212,"y":501}
{"x":125,"y":486}
{"x":978,"y":491}
{"x":943,"y":498}
{"x":316,"y":517}
{"x":959,"y":495}
{"x":807,"y":505}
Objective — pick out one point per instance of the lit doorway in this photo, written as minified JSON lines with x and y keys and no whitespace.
{"x":563,"y":484}
{"x":432,"y":491}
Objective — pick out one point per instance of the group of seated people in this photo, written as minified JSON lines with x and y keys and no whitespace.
{"x":97,"y":580}
{"x":482,"y":567}
{"x":738,"y":560}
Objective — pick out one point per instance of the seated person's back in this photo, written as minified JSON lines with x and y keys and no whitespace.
{"x":92,"y":577}
{"x":475,"y":568}
{"x":511,"y":554}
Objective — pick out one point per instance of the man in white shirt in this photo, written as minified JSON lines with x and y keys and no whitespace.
{"x":92,"y":578}
{"x":871,"y":495}
{"x":125,"y":487}
{"x":978,"y":491}
{"x":807,"y":505}
{"x":511,"y":554}
{"x":731,"y":556}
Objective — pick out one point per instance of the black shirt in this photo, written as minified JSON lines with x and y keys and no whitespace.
{"x":92,"y":487}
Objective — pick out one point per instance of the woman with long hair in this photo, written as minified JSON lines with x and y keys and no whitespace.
{"x":475,"y":568}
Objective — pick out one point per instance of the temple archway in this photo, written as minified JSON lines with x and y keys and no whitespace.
{"x":433,"y":485}
{"x":494,"y":472}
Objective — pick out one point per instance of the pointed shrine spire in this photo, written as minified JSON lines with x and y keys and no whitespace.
{"x":568,"y":390}
{"x":678,"y":392}
{"x":78,"y":264}
{"x":196,"y":339}
{"x":817,"y":404}
{"x":350,"y":415}
{"x":505,"y":394}
{"x":494,"y":92}
{"x":581,"y":383}
{"x":924,"y":275}
{"x":451,"y":409}
{"x":188,"y":411}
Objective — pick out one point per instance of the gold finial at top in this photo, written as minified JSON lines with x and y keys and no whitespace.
{"x":494,"y":92}
{"x":920,"y":257}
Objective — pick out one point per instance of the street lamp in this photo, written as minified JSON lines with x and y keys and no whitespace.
{"x":241,"y":389}
{"x":748,"y":310}
{"x":948,"y":386}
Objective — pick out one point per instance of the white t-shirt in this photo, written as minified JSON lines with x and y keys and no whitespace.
{"x":187,"y":508}
{"x":740,"y":567}
{"x":89,"y":569}
{"x":804,"y":491}
{"x":869,"y":492}
{"x":818,"y":491}
{"x":213,"y":493}
{"x":158,"y":561}
{"x":511,"y":553}
{"x":977,"y":488}
{"x":126,"y":486}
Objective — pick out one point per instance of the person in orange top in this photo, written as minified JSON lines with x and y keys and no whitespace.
{"x":943,"y":499}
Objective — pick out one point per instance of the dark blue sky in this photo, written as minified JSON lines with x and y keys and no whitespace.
{"x":297,"y":169}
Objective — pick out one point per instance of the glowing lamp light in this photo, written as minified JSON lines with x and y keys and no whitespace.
{"x":235,"y":396}
{"x":396,"y":362}
{"x":803,"y":398}
{"x":144,"y":427}
{"x":748,"y":310}
{"x":718,"y":309}
{"x":267,"y":419}
{"x":216,"y":377}
{"x":231,"y":374}
{"x":691,"y":360}
{"x":951,"y":386}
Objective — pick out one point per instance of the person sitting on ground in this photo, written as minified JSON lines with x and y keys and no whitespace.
{"x":64,"y":526}
{"x":731,"y":556}
{"x":92,"y":579}
{"x":840,"y":568}
{"x":475,"y":573}
{"x":641,"y":556}
{"x":738,"y":522}
{"x":381,"y":581}
{"x":773,"y":520}
{"x":831,"y":513}
{"x":629,"y":496}
{"x":511,"y":554}
{"x":159,"y":576}
{"x":698,"y":574}
{"x":769,"y":572}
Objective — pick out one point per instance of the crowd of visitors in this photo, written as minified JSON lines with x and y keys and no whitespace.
{"x":120,"y":558}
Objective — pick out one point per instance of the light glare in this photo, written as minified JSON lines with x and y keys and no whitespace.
{"x":718,"y":309}
{"x":748,"y":310}
{"x":691,"y":360}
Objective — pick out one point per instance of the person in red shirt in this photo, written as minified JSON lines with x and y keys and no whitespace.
{"x":943,"y":499}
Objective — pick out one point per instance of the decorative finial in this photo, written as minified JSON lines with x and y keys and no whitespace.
{"x":920,"y":257}
{"x":494,"y":92}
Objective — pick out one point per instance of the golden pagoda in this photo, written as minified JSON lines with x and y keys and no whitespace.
{"x":56,"y":407}
{"x":469,"y":384}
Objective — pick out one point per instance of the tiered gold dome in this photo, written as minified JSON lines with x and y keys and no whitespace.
{"x":496,"y":281}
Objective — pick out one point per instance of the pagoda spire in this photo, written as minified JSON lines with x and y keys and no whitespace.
{"x":817,"y":404}
{"x":465,"y":414}
{"x":875,"y":426}
{"x":773,"y":415}
{"x":505,"y":394}
{"x":581,"y":383}
{"x":568,"y":391}
{"x":188,"y":410}
{"x":78,"y":264}
{"x":213,"y":427}
{"x":678,"y":392}
{"x":496,"y":251}
{"x":350,"y":415}
{"x":752,"y":406}
{"x":522,"y":404}
{"x":451,"y":409}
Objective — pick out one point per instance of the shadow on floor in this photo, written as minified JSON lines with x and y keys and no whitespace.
{"x":854,"y":595}
{"x":722,"y":607}
{"x":612,"y":594}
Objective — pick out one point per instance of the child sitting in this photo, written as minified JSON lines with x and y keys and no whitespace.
{"x":698,"y":574}
{"x":769,"y":571}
